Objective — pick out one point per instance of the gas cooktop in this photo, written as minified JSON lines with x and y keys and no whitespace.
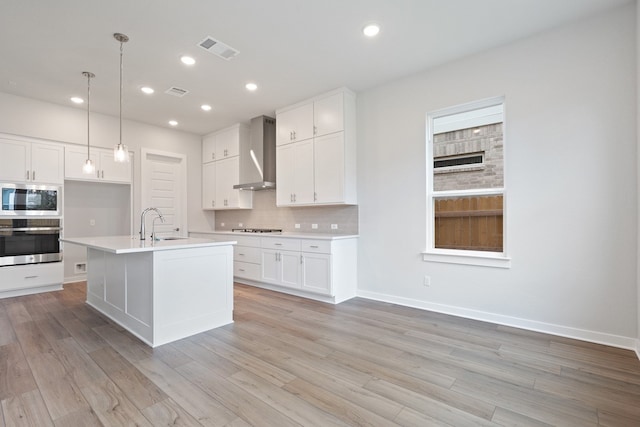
{"x":257,"y":230}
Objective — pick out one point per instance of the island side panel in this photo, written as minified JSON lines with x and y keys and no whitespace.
{"x":120,"y":286}
{"x":193,"y":291}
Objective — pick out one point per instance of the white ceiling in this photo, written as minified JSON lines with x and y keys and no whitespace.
{"x":293,"y":49}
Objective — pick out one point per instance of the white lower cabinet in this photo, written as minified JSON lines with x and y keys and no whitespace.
{"x":322,"y":268}
{"x":247,"y":258}
{"x":281,"y":268}
{"x":315,"y":274}
{"x":30,"y":279}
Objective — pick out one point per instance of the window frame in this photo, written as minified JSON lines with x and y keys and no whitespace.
{"x":459,"y":256}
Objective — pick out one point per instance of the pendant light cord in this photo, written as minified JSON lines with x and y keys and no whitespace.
{"x":88,"y":108}
{"x":121,"y":66}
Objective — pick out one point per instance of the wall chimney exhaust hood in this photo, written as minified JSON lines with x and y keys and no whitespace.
{"x":258,"y":160}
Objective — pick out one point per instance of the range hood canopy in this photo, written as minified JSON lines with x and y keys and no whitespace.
{"x":258,"y":159}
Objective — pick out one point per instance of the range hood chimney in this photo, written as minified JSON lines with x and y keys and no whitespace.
{"x":258,"y":160}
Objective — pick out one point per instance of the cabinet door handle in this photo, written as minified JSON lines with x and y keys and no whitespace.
{"x":103,"y":173}
{"x":33,"y":175}
{"x":301,"y":259}
{"x":213,"y":203}
{"x":30,"y":277}
{"x":315,"y":196}
{"x":278,"y":244}
{"x":240,"y":254}
{"x":315,"y":130}
{"x":27,"y":175}
{"x":213,"y":156}
{"x":241,"y":269}
{"x":314,"y":246}
{"x":294,"y":197}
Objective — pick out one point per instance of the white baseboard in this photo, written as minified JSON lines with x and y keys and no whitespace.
{"x":76,"y":278}
{"x":532,"y":325}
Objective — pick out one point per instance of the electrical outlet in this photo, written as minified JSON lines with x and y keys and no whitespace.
{"x":239,"y":224}
{"x":222,"y":224}
{"x":80,"y":267}
{"x":296,"y":225}
{"x":427,"y":281}
{"x":92,"y":222}
{"x":314,"y":226}
{"x":334,"y":226}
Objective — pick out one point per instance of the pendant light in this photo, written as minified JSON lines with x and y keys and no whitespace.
{"x":88,"y":167}
{"x":120,"y":152}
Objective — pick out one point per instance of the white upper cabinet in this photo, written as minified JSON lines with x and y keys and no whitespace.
{"x":224,"y":143}
{"x":329,"y":168}
{"x":328,"y":114}
{"x":329,"y":175}
{"x":295,"y":124}
{"x":107,"y":169}
{"x":23,"y":161}
{"x":221,"y":169}
{"x":294,"y":174}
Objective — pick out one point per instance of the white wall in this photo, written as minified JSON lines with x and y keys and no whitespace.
{"x":571,"y":178}
{"x":28,"y":117}
{"x":638,"y":167}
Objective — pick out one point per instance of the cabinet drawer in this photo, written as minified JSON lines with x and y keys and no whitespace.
{"x":318,"y":246}
{"x":247,"y":254}
{"x":246,"y":270}
{"x":30,"y":276}
{"x":283,"y":244}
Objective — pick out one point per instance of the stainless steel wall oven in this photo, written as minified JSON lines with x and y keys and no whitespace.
{"x":29,"y":241}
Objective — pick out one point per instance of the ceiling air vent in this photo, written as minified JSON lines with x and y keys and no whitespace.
{"x":218,"y":48}
{"x":176,"y":91}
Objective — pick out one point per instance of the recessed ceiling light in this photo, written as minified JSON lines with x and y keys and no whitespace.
{"x":187,"y":60}
{"x":77,"y":100}
{"x":251,"y":86}
{"x":206,"y":107}
{"x":173,"y":123}
{"x":371,"y":30}
{"x":148,"y":90}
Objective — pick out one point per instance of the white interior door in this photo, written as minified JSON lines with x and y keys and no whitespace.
{"x":164,"y":186}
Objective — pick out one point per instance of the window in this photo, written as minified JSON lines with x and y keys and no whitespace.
{"x":466,"y":184}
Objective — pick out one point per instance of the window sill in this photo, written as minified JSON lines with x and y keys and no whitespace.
{"x":482,"y":259}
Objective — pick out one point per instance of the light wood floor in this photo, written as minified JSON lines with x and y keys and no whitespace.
{"x":288,"y":361}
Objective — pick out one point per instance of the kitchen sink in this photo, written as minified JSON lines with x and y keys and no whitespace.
{"x":171,"y":238}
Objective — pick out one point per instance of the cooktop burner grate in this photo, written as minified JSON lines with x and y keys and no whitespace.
{"x":257,"y":230}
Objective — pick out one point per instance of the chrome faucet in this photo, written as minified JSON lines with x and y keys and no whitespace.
{"x":142,"y":219}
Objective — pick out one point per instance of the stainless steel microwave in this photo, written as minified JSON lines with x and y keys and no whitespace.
{"x":31,"y":199}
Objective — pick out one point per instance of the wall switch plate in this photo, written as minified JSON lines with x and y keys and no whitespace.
{"x":314,"y":226}
{"x":427,"y":281}
{"x":296,"y":225}
{"x":92,"y":222}
{"x":334,"y":226}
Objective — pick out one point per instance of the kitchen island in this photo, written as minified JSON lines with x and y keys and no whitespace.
{"x":160,"y":291}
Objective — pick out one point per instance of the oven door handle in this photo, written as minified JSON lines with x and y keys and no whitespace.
{"x":31,"y":228}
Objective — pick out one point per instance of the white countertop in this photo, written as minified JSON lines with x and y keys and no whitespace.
{"x":285,"y":234}
{"x":129,"y":244}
